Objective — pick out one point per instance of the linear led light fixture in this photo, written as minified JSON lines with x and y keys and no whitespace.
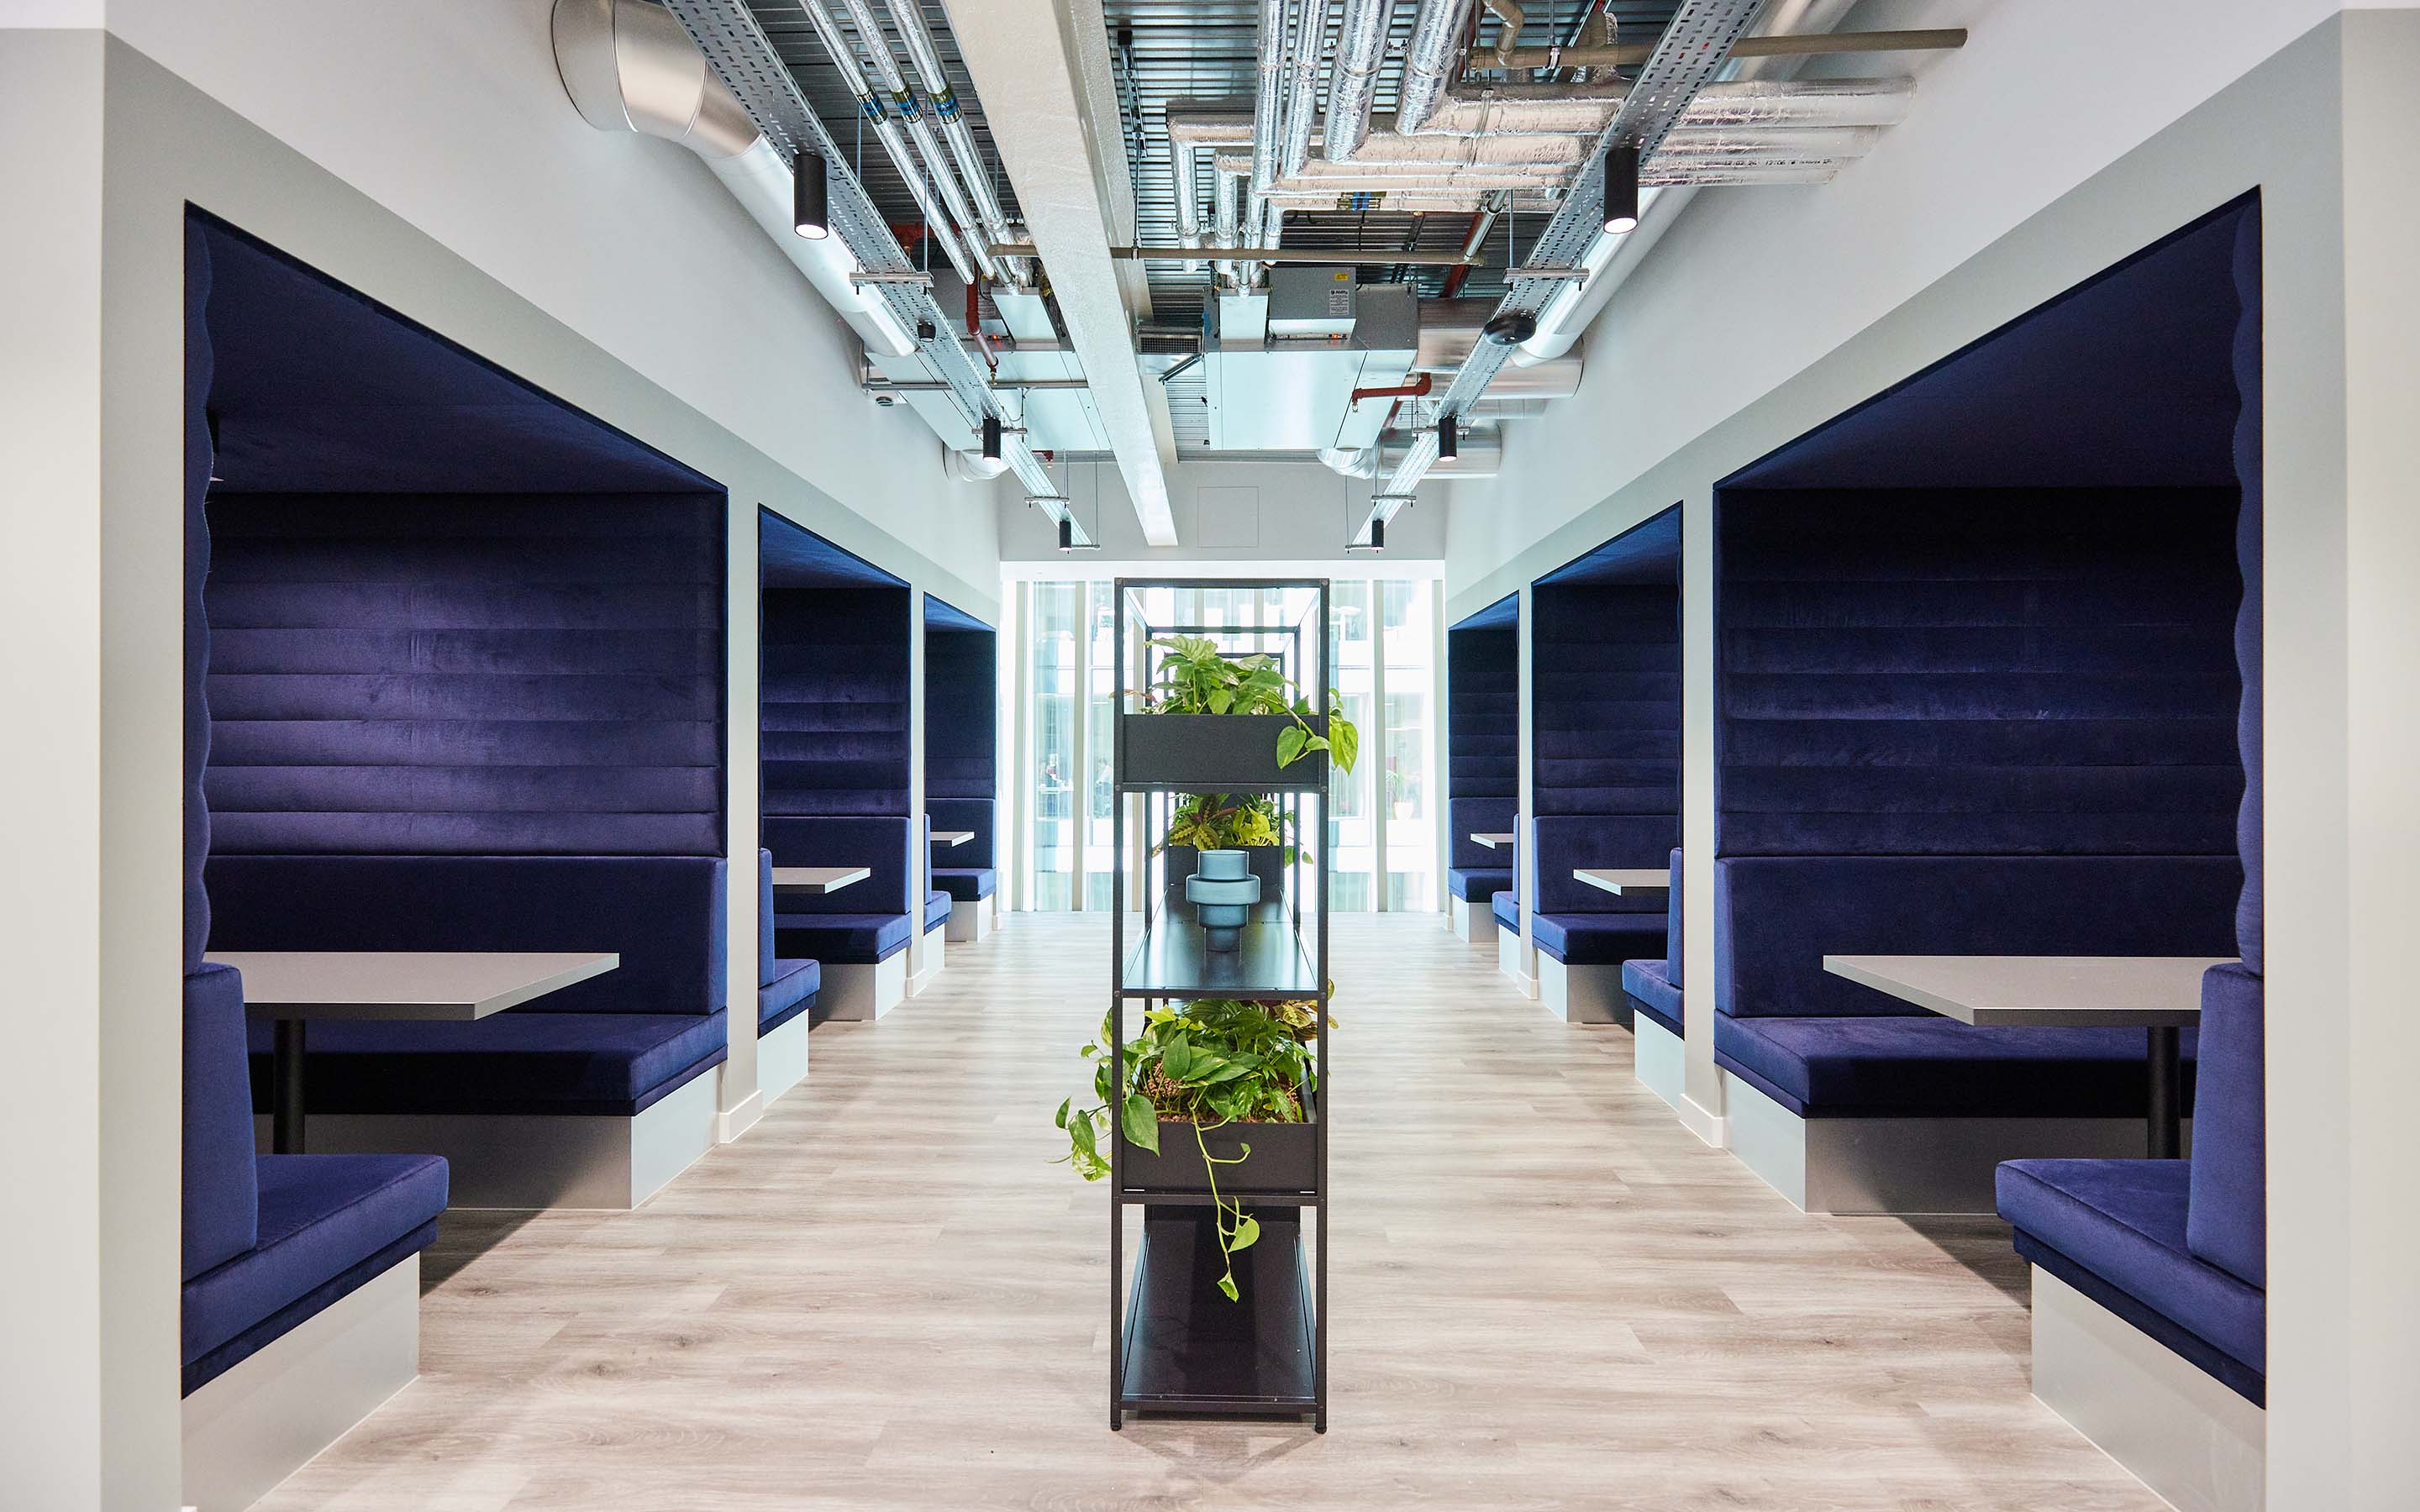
{"x":863,"y":277}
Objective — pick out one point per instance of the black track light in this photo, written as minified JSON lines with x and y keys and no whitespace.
{"x":991,"y":437}
{"x":810,"y":198}
{"x":1066,"y":533}
{"x":1620,"y":190}
{"x":1449,"y":437}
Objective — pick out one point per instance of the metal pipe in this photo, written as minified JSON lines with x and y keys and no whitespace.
{"x":1302,"y":85}
{"x":1270,"y":105}
{"x":1628,"y":54}
{"x":917,"y":39}
{"x":1353,"y":80}
{"x":1399,"y":390}
{"x":886,"y":131}
{"x":1428,"y":60}
{"x":1509,"y":14}
{"x":928,"y":148}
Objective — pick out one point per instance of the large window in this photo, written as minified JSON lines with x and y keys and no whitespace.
{"x":1384,"y":817}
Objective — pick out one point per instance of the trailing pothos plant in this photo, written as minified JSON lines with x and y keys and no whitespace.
{"x":1209,"y":1063}
{"x":1195,"y":678}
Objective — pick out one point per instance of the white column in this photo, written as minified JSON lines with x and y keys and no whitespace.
{"x":1702,"y":1100}
{"x":83,"y":1293}
{"x":1441,"y":837}
{"x":1019,"y":805}
{"x":1381,"y":803}
{"x":741,"y":1103}
{"x":2342,"y":691}
{"x":1523,"y":822}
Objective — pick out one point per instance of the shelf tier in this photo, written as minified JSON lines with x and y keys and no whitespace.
{"x":1189,"y":1350}
{"x":1173,"y":959}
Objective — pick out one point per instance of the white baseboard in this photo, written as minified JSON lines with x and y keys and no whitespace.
{"x":730,"y":1123}
{"x":1712,"y":1127}
{"x":269,"y":1415}
{"x":1659,"y":1059}
{"x":1904,"y":1167}
{"x":523,"y":1160}
{"x":931,"y":955}
{"x":2175,"y":1427}
{"x":782,"y":1058}
{"x":1581,"y":995}
{"x":859,"y":994}
{"x":971,"y":919}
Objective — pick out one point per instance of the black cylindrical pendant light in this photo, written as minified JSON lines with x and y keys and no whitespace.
{"x":1066,"y":533}
{"x":991,"y":437}
{"x":1377,"y":535}
{"x":810,"y":198}
{"x":1449,"y":437}
{"x":1620,"y":190}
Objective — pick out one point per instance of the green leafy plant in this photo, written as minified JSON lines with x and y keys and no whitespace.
{"x":1196,"y":678}
{"x":1231,"y":822}
{"x":1209,"y":1063}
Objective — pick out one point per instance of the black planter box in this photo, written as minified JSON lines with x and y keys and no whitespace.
{"x":1266,"y":862}
{"x":1284,"y":1159}
{"x":1217,"y":753}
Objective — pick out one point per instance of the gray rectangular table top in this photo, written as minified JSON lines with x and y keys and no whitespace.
{"x":1494,"y":842}
{"x":2063,"y":991}
{"x":1626,"y":882}
{"x":404,"y":984}
{"x":817,"y":878}
{"x":952,"y":837}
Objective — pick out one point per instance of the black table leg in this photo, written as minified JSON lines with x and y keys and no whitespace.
{"x":285,"y":1098}
{"x":2167,"y":1093}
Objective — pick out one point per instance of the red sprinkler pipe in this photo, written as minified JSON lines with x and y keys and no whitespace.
{"x":1400,"y":391}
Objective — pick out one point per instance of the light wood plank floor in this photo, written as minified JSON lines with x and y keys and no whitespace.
{"x":1546,"y":1294}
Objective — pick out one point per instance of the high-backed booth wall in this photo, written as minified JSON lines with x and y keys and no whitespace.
{"x":1976,"y":694}
{"x":1604,"y":713}
{"x":834,"y":700}
{"x":1482,"y":761}
{"x":455,"y":670}
{"x":961,"y":764}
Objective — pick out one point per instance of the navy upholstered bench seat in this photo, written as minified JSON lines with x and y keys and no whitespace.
{"x":2115,"y":1230}
{"x":967,"y":884}
{"x":842,"y":939}
{"x":328,"y":1224}
{"x":1938,"y":1067}
{"x":1477,"y":885}
{"x":1507,"y":908}
{"x":790,"y":993}
{"x":1597,"y":940}
{"x":937,"y":910}
{"x":1649,"y":986}
{"x":517,"y":1061}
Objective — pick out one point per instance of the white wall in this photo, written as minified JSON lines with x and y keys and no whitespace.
{"x":1752,"y":285}
{"x":450,"y":114}
{"x":1263,"y":513}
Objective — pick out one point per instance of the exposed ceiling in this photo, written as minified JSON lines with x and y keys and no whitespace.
{"x":1203,"y":50}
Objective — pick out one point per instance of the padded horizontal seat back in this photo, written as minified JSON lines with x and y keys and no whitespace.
{"x":1466,"y":817}
{"x":665,"y":916}
{"x":220,"y":1185}
{"x":1562,"y":843}
{"x":883,"y":845}
{"x":1484,"y":716}
{"x":1672,"y":925}
{"x":978,"y":815}
{"x":1776,"y":916}
{"x":2227,"y":1221}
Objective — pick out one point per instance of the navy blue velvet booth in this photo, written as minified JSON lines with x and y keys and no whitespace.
{"x":834,"y":702}
{"x":613,"y":1044}
{"x":1653,"y":984}
{"x":789,"y":987}
{"x":1482,"y":749}
{"x":864,"y":923}
{"x":971,"y":874}
{"x":266,"y":1241}
{"x":2179,"y":1248}
{"x":1605,"y":715}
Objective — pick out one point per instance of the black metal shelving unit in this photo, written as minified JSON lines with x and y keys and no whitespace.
{"x":1177,"y":1345}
